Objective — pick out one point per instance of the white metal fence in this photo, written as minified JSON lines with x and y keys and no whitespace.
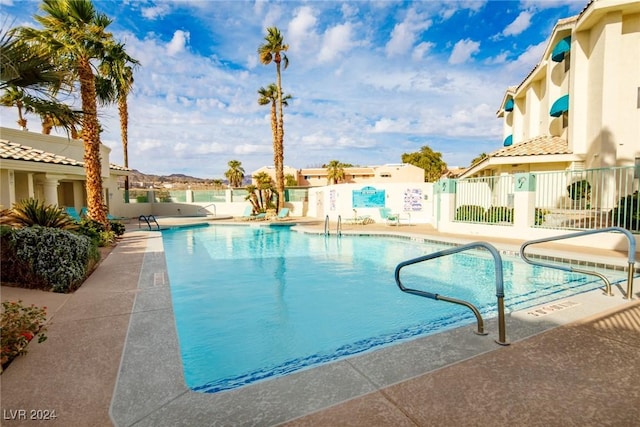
{"x":590,"y":198}
{"x":485,"y":200}
{"x":579,"y":199}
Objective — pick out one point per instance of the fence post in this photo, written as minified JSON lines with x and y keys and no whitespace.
{"x":524,"y":201}
{"x":446,"y":189}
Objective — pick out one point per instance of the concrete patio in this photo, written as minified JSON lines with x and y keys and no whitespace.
{"x":111,"y":358}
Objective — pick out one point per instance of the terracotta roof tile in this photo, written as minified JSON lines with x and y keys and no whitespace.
{"x":538,"y":146}
{"x":15,"y":151}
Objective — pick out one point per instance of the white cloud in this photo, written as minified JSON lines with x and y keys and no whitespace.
{"x":335,"y":41}
{"x":155,"y":12}
{"x":421,"y":50}
{"x":521,"y":23}
{"x":463,"y":50}
{"x":178,"y":42}
{"x":301,"y":31}
{"x":405,"y":33}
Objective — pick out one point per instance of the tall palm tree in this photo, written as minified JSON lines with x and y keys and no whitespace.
{"x":75,"y":34}
{"x":24,"y":67}
{"x":117,"y":68}
{"x":273,"y":51}
{"x":269,"y":95}
{"x":335,"y":172}
{"x":235,"y":173}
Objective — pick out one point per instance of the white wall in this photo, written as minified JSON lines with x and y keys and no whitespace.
{"x":337,"y":200}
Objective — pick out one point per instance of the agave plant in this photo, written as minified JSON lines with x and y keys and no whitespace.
{"x":30,"y":212}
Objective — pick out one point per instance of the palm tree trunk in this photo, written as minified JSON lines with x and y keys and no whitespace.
{"x":124,"y":128}
{"x":279,"y":151}
{"x":91,"y":141}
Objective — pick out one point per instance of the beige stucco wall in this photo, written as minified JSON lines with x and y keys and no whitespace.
{"x":603,"y":81}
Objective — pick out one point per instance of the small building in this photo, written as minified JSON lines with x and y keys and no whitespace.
{"x":50,"y":168}
{"x":317,"y":177}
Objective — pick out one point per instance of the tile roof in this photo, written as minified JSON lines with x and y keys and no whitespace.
{"x":538,"y":146}
{"x":15,"y":151}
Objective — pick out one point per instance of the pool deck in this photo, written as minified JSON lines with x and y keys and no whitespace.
{"x":112,"y":358}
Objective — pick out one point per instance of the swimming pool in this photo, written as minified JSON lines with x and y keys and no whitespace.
{"x":253,"y":303}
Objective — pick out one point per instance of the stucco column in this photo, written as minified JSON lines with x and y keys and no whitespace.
{"x":50,"y":186}
{"x":445,"y":190}
{"x":524,"y":201}
{"x":7,"y":188}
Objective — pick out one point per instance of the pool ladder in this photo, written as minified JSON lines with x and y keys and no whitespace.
{"x":499,"y":286}
{"x":338,"y":226}
{"x":631,"y":257}
{"x":148,"y":220}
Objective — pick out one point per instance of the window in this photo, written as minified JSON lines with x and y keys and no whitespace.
{"x":385,"y":175}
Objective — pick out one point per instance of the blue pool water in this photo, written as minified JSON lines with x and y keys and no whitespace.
{"x":252,"y":303}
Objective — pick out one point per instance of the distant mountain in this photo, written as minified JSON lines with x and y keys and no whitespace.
{"x":143,"y":180}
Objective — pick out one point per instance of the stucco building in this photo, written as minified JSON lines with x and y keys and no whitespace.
{"x":579,"y":108}
{"x":50,"y":168}
{"x":317,"y":177}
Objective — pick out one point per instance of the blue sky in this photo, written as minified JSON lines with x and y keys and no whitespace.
{"x":370,"y":80}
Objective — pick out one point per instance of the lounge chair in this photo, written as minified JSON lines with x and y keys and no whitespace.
{"x":392,"y":218}
{"x":358,"y":219}
{"x":249,"y":216}
{"x":283,"y":215}
{"x":73,"y":213}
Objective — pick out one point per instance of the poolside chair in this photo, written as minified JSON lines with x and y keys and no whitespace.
{"x":73,"y":213}
{"x":358,"y":219}
{"x":393,"y":218}
{"x":249,"y":216}
{"x":283,"y":215}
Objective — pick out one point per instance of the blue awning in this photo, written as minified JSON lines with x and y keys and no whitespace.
{"x":508,"y":106}
{"x":562,"y":47}
{"x":508,"y":141}
{"x":560,"y":106}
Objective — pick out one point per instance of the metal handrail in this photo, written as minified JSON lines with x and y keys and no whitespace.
{"x":204,"y":209}
{"x":339,"y":226}
{"x":148,"y":219}
{"x":499,"y":285}
{"x":326,"y":225}
{"x":631,"y":257}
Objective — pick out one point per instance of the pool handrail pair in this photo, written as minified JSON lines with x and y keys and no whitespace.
{"x":338,"y":226}
{"x":148,"y":220}
{"x":499,"y":285}
{"x":631,"y":256}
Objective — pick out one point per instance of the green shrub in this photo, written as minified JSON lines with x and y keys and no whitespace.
{"x":96,"y":231}
{"x":499,"y":214}
{"x":627,"y":213}
{"x":117,"y":227}
{"x":579,"y":189}
{"x":18,"y":326}
{"x":540,"y":216}
{"x":46,"y":258}
{"x":30,"y":212}
{"x":470,"y":213}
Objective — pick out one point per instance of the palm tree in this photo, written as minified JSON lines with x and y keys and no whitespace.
{"x":235,"y":173}
{"x":30,"y":81}
{"x":335,"y":172}
{"x":269,"y":95}
{"x":273,"y":51}
{"x":24,"y":67}
{"x":116,"y":67}
{"x":261,"y":194}
{"x":13,"y":96}
{"x":74,"y":33}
